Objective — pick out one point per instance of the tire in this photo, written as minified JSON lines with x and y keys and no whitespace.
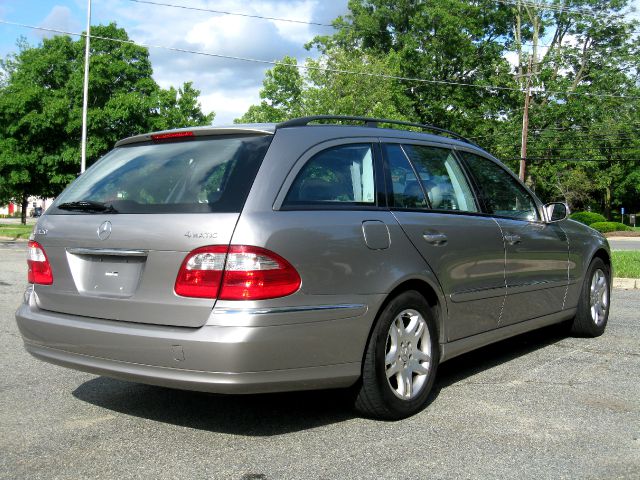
{"x":593,"y":305}
{"x":404,"y":342}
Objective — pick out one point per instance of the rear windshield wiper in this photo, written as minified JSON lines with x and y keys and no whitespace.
{"x":88,"y":206}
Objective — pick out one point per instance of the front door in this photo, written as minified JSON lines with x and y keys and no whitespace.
{"x":537,"y":253}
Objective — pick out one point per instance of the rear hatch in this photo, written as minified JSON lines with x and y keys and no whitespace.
{"x":117,"y":236}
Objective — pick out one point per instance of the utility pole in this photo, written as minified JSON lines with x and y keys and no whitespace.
{"x":525,"y":124}
{"x":85,"y":100}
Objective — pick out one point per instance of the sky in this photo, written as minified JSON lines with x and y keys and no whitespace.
{"x":228,"y":87}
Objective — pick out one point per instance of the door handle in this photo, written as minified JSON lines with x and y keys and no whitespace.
{"x":436,"y":239}
{"x":512,"y":239}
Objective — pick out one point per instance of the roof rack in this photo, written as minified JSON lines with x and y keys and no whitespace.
{"x":369,"y":122}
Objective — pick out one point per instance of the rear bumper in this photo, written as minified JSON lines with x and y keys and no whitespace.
{"x":223,"y":359}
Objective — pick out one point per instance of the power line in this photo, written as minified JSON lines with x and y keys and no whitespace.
{"x":579,"y":134}
{"x":559,"y":159}
{"x":237,"y":14}
{"x":580,"y":147}
{"x":300,"y":22}
{"x":557,"y":8}
{"x":317,"y":68}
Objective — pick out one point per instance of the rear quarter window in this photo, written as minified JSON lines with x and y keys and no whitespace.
{"x":341,"y":175}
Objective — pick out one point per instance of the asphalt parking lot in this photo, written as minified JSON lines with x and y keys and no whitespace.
{"x":541,"y":405}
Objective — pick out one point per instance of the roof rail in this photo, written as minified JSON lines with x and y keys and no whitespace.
{"x":369,"y":122}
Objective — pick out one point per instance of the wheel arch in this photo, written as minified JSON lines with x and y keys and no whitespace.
{"x":432,"y":295}
{"x":602,"y":254}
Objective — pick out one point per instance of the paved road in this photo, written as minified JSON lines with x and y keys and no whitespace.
{"x":540,"y":406}
{"x":624,"y":243}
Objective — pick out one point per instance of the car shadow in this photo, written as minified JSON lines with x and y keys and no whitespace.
{"x":281,"y":413}
{"x":460,"y":368}
{"x":251,"y":415}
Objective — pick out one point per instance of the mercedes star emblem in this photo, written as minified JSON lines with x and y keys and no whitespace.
{"x":104,"y":230}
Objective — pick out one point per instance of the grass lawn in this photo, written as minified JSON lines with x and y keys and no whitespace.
{"x":15,"y":231}
{"x":626,"y":263}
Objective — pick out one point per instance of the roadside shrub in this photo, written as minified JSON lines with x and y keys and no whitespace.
{"x":604,"y":227}
{"x":587,"y":217}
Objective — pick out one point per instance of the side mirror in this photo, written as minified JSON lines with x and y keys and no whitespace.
{"x":556,"y":211}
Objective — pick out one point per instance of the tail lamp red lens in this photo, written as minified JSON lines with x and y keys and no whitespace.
{"x":38,"y":263}
{"x":237,"y":272}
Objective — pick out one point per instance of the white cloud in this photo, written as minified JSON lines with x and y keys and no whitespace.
{"x":60,"y":18}
{"x":227,"y":104}
{"x":228,"y":86}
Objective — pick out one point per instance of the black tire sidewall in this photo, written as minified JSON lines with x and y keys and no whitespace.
{"x":584,"y":323}
{"x":407,"y":300}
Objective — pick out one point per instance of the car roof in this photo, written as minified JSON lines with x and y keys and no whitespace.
{"x":370,"y":128}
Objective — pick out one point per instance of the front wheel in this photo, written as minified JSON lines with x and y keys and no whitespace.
{"x":593,"y":306}
{"x":401,"y":360}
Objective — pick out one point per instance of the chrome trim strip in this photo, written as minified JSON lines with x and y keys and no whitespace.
{"x":272,"y":310}
{"x":536,"y":285}
{"x":477,"y":294}
{"x":108,"y":251}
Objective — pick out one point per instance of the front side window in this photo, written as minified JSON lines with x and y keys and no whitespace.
{"x":200,"y":175}
{"x":439,"y":177}
{"x":502,"y":194}
{"x":338,"y":175}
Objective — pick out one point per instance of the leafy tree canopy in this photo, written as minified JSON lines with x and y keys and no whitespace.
{"x":577,"y":58}
{"x":41,"y":92}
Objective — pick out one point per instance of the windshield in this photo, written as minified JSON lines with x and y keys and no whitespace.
{"x":212,"y":174}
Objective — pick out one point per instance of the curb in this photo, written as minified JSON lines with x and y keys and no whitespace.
{"x":13,"y":239}
{"x":626,"y":283}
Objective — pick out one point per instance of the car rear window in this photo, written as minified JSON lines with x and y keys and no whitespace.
{"x":199,"y":175}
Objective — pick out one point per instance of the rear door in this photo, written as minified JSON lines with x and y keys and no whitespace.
{"x":537,"y":253}
{"x":116,"y":238}
{"x":433,"y":202}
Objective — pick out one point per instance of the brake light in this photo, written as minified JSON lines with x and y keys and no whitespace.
{"x":201,"y":272}
{"x":38,"y":263}
{"x":253,"y":273}
{"x":170,"y":135}
{"x":239,"y":272}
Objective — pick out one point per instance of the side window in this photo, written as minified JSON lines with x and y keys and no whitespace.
{"x":338,"y":175}
{"x":407,"y":192}
{"x":440,"y":177}
{"x":503,"y":195}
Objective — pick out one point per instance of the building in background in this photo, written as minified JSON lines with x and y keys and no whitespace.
{"x":36,"y":207}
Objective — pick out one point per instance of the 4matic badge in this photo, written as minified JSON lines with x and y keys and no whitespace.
{"x":204,"y":235}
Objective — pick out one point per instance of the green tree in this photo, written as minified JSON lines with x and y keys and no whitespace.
{"x":578,"y":56}
{"x":41,"y":108}
{"x":281,"y":95}
{"x":576,"y":111}
{"x":444,"y":43}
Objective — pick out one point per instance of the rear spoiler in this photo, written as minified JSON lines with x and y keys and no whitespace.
{"x":266,"y":129}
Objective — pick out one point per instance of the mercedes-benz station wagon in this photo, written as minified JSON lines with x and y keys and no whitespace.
{"x":321,"y":252}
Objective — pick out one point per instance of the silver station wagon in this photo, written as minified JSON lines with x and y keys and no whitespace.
{"x":320,"y":252}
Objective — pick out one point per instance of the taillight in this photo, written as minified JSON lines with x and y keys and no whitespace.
{"x":201,"y":272}
{"x":239,"y":272}
{"x":253,"y":273}
{"x":38,"y":263}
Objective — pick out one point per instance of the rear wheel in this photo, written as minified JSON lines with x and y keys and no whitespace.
{"x":401,"y":360}
{"x":593,"y":306}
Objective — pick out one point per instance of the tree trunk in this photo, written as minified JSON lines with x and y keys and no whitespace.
{"x":607,"y":202}
{"x":25,"y":204}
